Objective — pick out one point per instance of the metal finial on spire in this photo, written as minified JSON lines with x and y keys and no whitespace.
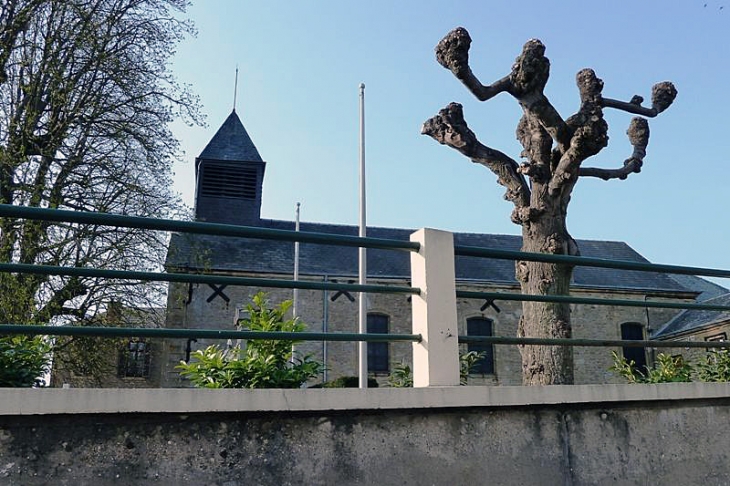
{"x":235,"y":89}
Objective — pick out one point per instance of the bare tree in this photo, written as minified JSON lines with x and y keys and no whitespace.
{"x":86,"y":97}
{"x":554,"y":152}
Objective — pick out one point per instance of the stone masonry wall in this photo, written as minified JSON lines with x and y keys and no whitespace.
{"x":598,"y":444}
{"x":198,"y":306}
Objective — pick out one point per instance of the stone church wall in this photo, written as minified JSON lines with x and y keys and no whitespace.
{"x":199,"y":306}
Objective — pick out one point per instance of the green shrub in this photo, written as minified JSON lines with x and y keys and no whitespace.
{"x":23,"y":361}
{"x":667,"y":369}
{"x":402,"y":375}
{"x":263,"y":363}
{"x":467,"y":363}
{"x":715,"y":366}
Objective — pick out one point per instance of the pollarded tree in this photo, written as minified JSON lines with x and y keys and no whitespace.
{"x":554,"y":149}
{"x":86,"y":98}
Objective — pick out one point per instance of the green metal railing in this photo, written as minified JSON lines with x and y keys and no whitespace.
{"x":95,"y":331}
{"x":106,"y":219}
{"x":194,"y":227}
{"x":473,"y":251}
{"x":571,"y":299}
{"x":200,"y":278}
{"x":597,"y":343}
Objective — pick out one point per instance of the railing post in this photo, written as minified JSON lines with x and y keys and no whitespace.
{"x":436,"y":357}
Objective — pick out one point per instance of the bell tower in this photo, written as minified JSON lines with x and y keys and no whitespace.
{"x":229,"y":176}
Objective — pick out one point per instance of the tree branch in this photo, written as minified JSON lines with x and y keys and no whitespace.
{"x":662,"y":96}
{"x":452,"y":52}
{"x":590,"y":132}
{"x":638,"y":133}
{"x":449,"y":128}
{"x":525,"y":82}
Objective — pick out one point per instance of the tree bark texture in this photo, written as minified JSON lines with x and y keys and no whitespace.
{"x":554,"y":150}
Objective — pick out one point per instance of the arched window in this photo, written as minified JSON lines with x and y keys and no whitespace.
{"x":378,"y":354}
{"x":633,"y":331}
{"x":481,"y":326}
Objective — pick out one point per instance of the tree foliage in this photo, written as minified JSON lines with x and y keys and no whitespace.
{"x":714,"y":366}
{"x":402,"y":376}
{"x":86,"y":97}
{"x":23,"y":361}
{"x":540,"y":188}
{"x":262,"y":363}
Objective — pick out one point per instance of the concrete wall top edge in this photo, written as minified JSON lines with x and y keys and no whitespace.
{"x":49,"y":401}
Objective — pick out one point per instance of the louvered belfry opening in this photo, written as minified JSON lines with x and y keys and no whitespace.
{"x":229,"y":180}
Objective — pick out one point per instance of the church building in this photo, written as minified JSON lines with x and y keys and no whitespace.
{"x":229,"y":183}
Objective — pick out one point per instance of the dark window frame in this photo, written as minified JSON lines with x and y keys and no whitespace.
{"x":481,"y":326}
{"x":134,"y":360}
{"x":720,"y":336}
{"x":378,"y":353}
{"x":634,"y":331}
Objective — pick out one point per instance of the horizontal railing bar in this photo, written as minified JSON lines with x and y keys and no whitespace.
{"x":218,"y":229}
{"x":309,"y":285}
{"x":592,"y":342}
{"x":89,"y":331}
{"x":95,"y":331}
{"x":570,"y":299}
{"x":109,"y":219}
{"x":198,"y":278}
{"x":474,"y":251}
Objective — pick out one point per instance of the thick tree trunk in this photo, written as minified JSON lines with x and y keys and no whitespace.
{"x":545,"y":365}
{"x":547,"y":233}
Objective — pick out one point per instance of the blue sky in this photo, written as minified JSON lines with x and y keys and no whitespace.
{"x":301,"y":63}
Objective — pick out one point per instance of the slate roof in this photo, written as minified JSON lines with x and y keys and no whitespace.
{"x":708,"y":290}
{"x":231,"y":142}
{"x":694,"y":319}
{"x":268,"y":256}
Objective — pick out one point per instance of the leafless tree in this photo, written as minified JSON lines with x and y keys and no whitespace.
{"x":86,"y":96}
{"x":554,"y":152}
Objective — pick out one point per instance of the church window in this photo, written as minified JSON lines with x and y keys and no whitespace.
{"x":378,"y":353}
{"x":134,"y":360}
{"x":717,"y":337}
{"x":481,"y":326}
{"x":633,"y":331}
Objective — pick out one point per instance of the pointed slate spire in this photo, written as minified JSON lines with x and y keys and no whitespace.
{"x":229,"y":177}
{"x":231,"y":142}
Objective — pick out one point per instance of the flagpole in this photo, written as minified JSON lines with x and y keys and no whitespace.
{"x":362,"y":257}
{"x":295,"y":296}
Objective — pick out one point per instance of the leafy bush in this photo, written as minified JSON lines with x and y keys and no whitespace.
{"x":625,"y":368}
{"x":263,"y":363}
{"x":467,"y":363}
{"x":669,"y":369}
{"x":715,"y":366}
{"x":23,"y":361}
{"x":402,"y":375}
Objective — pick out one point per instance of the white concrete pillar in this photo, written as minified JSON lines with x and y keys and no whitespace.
{"x":436,"y":357}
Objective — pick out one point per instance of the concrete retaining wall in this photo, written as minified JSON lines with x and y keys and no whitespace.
{"x":580,"y":435}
